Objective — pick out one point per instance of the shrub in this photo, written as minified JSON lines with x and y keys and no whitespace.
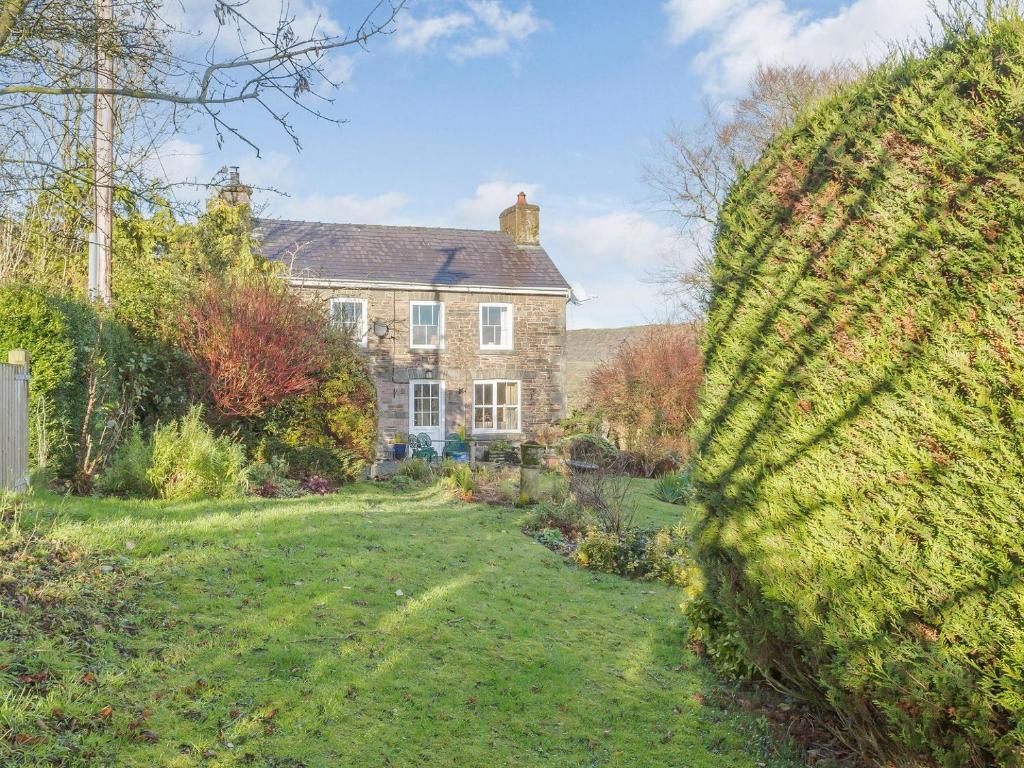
{"x":661,"y":555}
{"x":190,"y":461}
{"x":552,"y":538}
{"x":667,"y":557}
{"x":333,"y":430}
{"x":647,"y":392}
{"x":316,"y":485}
{"x":458,"y":476}
{"x":567,"y":517}
{"x":128,"y":471}
{"x":673,"y":488}
{"x":859,"y":468}
{"x":182,"y":460}
{"x":607,"y":493}
{"x":256,"y":342}
{"x":415,"y":469}
{"x":270,"y":479}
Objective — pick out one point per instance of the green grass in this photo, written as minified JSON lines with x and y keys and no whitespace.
{"x":269,"y":633}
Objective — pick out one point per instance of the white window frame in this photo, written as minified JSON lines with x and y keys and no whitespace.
{"x":507,"y":325}
{"x":440,"y":324}
{"x":364,"y":326}
{"x":494,"y":407}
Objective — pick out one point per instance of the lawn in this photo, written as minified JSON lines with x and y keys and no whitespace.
{"x":367,"y":628}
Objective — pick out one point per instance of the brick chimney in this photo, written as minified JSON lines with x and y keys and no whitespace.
{"x":521,"y":222}
{"x":234,"y":192}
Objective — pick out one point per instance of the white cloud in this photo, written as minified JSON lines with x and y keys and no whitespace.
{"x":737,"y":35}
{"x":418,"y":35}
{"x":624,"y":237}
{"x":480,"y":28}
{"x":607,"y":258}
{"x":386,"y":208}
{"x":687,"y":17}
{"x":338,"y":67}
{"x":481,"y":210}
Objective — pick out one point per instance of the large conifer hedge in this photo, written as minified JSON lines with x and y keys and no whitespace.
{"x":861,"y":449}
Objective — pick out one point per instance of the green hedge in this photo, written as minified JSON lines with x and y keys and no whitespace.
{"x":861,"y":446}
{"x":59,"y":335}
{"x":69,"y":345}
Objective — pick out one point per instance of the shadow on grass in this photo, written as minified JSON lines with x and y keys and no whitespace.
{"x":374,"y":628}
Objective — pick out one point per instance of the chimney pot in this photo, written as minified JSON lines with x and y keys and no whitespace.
{"x":234,"y":191}
{"x":521,"y":222}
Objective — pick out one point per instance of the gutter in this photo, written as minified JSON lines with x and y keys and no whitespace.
{"x":393,"y":286}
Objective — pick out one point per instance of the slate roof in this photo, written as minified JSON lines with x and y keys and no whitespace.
{"x":407,"y":255}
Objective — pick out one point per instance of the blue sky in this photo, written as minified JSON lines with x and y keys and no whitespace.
{"x":470,"y":101}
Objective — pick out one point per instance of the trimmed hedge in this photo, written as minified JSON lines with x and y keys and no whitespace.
{"x":61,"y":335}
{"x":861,"y":445}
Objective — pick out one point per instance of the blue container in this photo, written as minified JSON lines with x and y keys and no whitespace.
{"x":399,"y":451}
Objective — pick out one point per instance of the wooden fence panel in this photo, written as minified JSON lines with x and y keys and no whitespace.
{"x":13,"y":427}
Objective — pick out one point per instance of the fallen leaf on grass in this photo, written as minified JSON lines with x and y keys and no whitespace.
{"x":34,"y":679}
{"x":148,"y":736}
{"x":106,"y":712}
{"x":24,"y":738}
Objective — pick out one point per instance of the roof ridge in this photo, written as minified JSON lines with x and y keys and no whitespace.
{"x":380,"y":226}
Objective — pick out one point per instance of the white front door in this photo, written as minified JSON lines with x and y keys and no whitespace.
{"x":426,"y":410}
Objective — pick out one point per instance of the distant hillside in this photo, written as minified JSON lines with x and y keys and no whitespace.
{"x":587,"y":347}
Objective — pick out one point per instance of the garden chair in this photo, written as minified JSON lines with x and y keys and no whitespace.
{"x":423,"y":447}
{"x":455,"y":447}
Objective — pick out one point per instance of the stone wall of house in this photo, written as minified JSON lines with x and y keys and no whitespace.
{"x":537,"y":357}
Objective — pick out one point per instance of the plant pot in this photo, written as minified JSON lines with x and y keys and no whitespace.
{"x":399,"y":451}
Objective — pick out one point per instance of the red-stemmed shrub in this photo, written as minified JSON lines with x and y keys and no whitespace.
{"x":255,"y":342}
{"x":647,"y":392}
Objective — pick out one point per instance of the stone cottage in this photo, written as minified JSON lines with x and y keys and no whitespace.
{"x":463,"y":328}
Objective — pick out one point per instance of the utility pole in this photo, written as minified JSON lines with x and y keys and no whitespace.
{"x":103,"y":157}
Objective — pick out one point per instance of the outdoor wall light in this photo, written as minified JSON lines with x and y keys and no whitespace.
{"x":380,"y":329}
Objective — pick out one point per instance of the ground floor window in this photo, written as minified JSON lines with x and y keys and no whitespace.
{"x":496,"y":406}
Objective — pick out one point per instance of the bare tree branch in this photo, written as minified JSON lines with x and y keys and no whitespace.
{"x":696,"y":168}
{"x":165,"y":74}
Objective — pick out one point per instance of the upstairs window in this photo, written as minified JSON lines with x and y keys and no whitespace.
{"x":495,"y":326}
{"x":496,"y":406}
{"x":426,"y":325}
{"x":350,"y":316}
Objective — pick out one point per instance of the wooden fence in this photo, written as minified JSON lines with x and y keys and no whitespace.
{"x":14,"y":422}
